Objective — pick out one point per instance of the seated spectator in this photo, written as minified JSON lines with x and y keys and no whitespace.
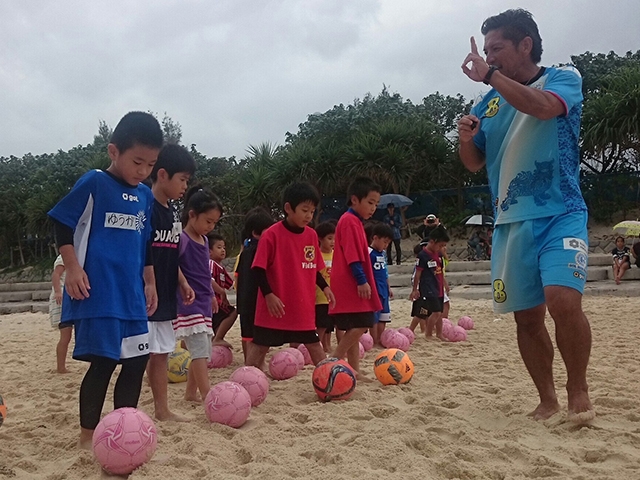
{"x":479,"y":243}
{"x":635,"y":251}
{"x":621,"y":259}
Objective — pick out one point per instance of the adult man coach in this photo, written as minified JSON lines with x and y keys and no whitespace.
{"x":525,"y":130}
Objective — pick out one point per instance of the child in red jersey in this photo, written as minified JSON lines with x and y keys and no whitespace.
{"x":352,"y":274}
{"x":221,"y":281}
{"x":288,"y":267}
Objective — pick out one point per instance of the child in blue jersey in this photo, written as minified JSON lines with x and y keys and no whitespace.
{"x":103,"y":231}
{"x":169,"y":179}
{"x":193,"y":325}
{"x":382,"y":236}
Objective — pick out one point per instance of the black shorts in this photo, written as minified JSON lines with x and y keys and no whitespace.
{"x":63,"y":325}
{"x":217,"y":318}
{"x":347,"y":321}
{"x":270,"y":337}
{"x":246,"y":326}
{"x":423,"y":307}
{"x":323,"y":319}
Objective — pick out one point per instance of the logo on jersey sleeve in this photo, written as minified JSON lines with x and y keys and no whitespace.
{"x":309,"y":257}
{"x":124,"y":221}
{"x":492,"y":107}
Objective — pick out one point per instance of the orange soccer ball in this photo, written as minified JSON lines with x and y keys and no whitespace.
{"x":333,"y":379}
{"x":393,"y":367}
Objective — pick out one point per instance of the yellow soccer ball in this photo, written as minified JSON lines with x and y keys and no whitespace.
{"x":178,"y":365}
{"x":393,"y":366}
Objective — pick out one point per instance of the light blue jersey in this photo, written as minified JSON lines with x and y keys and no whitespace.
{"x":533,"y":165}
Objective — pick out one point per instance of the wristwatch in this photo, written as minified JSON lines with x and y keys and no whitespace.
{"x":487,"y":77}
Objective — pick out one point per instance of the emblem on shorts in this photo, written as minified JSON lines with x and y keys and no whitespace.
{"x":499,"y":295}
{"x":574,"y":244}
{"x":309,"y":253}
{"x":581,"y":260}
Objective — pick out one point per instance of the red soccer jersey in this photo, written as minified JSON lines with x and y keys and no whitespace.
{"x":351,"y":246}
{"x":292,"y":261}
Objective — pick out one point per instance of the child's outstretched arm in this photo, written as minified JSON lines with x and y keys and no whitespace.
{"x":415,"y":293}
{"x":187,"y":293}
{"x":274,"y":304}
{"x":76,"y":281}
{"x":55,"y":282}
{"x":150,"y":292}
{"x":364,"y":289}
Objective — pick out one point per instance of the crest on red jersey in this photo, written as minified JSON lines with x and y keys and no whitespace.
{"x":309,"y":253}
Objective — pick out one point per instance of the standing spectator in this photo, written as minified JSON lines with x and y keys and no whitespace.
{"x":394,"y":220}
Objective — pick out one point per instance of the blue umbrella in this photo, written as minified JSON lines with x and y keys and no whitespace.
{"x":396,"y":199}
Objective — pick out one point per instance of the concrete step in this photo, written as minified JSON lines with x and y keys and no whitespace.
{"x":21,"y":307}
{"x":21,"y":287}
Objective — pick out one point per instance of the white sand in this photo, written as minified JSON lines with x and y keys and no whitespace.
{"x":462,"y":415}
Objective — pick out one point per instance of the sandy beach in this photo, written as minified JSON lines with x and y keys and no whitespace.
{"x":463,"y":416}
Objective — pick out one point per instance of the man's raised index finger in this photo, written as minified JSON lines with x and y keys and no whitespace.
{"x":474,"y":47}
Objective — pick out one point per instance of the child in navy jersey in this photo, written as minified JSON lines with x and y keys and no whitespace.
{"x":169,"y":179}
{"x":103,"y":231}
{"x":382,"y":236}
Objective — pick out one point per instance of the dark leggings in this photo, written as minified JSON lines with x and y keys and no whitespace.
{"x":398,"y":252}
{"x":96,"y":381}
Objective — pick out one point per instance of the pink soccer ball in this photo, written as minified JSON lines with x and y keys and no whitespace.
{"x":362,"y":349}
{"x":367,"y":341}
{"x":283,"y":365}
{"x":254,"y":381}
{"x":298,"y":356}
{"x":447,"y":329}
{"x":305,"y":353}
{"x":407,"y":333}
{"x":220,"y":357}
{"x":458,"y":334}
{"x":123,"y":440}
{"x":228,"y":403}
{"x":399,"y":341}
{"x":466,"y":323}
{"x":386,"y":335}
{"x":446,"y":320}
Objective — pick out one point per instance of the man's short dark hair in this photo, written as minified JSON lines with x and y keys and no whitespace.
{"x":137,"y":128}
{"x":516,"y":24}
{"x":257,"y":220}
{"x":382,"y":230}
{"x":214,"y":237}
{"x":174,"y":159}
{"x":360,"y":187}
{"x":325,"y":228}
{"x":300,"y":192}
{"x":439,"y":234}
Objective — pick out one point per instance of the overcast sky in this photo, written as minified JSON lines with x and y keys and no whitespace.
{"x":236,"y":73}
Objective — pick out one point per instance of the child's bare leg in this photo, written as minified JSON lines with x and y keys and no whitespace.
{"x":339,"y":335}
{"x":423,"y":325}
{"x":62,"y":349}
{"x":431,"y":323}
{"x":316,"y":351}
{"x":197,"y":380}
{"x":321,"y":333}
{"x":256,"y":355}
{"x":326,"y":342}
{"x":381,"y":327}
{"x":224,"y":327}
{"x":349,"y":343}
{"x":439,"y":328}
{"x":445,"y":309}
{"x":414,"y":323}
{"x":245,"y":348}
{"x":623,"y":268}
{"x":157,"y":375}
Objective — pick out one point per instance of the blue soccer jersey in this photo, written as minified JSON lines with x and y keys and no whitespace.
{"x":533,"y":165}
{"x":380,"y":272}
{"x":112,"y":226}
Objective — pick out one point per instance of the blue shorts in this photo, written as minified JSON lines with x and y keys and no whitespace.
{"x":530,"y":255}
{"x":111,"y":338}
{"x":383,"y":315}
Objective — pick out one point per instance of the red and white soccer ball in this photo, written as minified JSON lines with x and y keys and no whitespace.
{"x":298,"y":355}
{"x":283,"y":365}
{"x":458,"y":334}
{"x":466,"y":322}
{"x":407,"y":332}
{"x":367,"y":341}
{"x":124,"y":440}
{"x":228,"y":403}
{"x":254,"y":381}
{"x":221,"y":357}
{"x":305,"y":354}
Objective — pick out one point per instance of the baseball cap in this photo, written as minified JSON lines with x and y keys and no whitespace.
{"x":431,"y":216}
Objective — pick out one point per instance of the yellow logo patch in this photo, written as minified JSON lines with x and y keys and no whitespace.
{"x":492,"y":107}
{"x":309,"y":253}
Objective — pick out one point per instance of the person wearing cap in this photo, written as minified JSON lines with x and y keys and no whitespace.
{"x":429,"y":223}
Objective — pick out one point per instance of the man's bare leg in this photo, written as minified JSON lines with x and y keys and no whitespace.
{"x":536,"y":350}
{"x":573,"y":336}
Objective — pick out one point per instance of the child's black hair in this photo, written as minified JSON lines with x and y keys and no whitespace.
{"x":360,"y":187}
{"x":200,"y":200}
{"x":214,"y":237}
{"x":174,"y":159}
{"x":325,"y":228}
{"x":439,"y":234}
{"x":137,"y":128}
{"x":300,"y":192}
{"x":382,"y":230}
{"x":257,"y":220}
{"x":368,"y":231}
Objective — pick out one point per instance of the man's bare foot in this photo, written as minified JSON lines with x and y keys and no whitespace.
{"x":171,"y":417}
{"x":545,"y":410}
{"x":360,"y":377}
{"x":86,"y":439}
{"x":580,"y":409}
{"x":222,"y":343}
{"x":64,"y":370}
